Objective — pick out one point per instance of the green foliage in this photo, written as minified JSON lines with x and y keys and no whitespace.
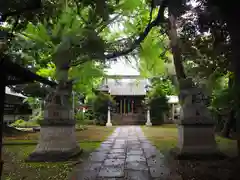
{"x":83,"y":118}
{"x":166,"y":85}
{"x":158,"y":102}
{"x":100,"y":107}
{"x":48,"y":72}
{"x":79,"y":116}
{"x":22,"y":123}
{"x":37,"y":113}
{"x":221,"y":93}
{"x":37,"y":116}
{"x":89,"y":76}
{"x":33,"y":102}
{"x":89,"y":114}
{"x":158,"y":106}
{"x":151,"y":63}
{"x":62,"y":39}
{"x":222,"y":100}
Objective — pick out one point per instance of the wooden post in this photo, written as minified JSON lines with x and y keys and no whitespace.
{"x":129,"y":105}
{"x":132,"y":105}
{"x":120,"y":106}
{"x":124,"y":106}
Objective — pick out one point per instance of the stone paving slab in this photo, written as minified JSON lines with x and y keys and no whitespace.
{"x":126,"y":155}
{"x":111,"y":172}
{"x":116,"y":156}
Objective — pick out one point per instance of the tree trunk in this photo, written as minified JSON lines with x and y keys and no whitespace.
{"x":177,"y":58}
{"x":230,"y":15}
{"x":57,"y":135}
{"x":228,"y":124}
{"x":190,"y":143}
{"x":230,"y":121}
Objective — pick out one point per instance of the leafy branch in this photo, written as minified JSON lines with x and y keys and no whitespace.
{"x":158,"y":20}
{"x":135,"y":43}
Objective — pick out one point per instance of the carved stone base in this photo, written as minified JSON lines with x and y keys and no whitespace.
{"x":108,"y":124}
{"x":196,"y":140}
{"x":55,"y":144}
{"x":148,"y":124}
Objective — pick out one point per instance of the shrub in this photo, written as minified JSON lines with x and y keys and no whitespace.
{"x":221,"y":104}
{"x":158,"y":106}
{"x":37,"y":116}
{"x":158,"y":103}
{"x":100,"y":107}
{"x":22,"y":123}
{"x":79,"y":117}
{"x":89,"y":114}
{"x":84,"y":118}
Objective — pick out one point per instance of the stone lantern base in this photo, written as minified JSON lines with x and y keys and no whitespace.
{"x":196,"y":141}
{"x":196,"y":136}
{"x":109,"y":124}
{"x":56,"y":143}
{"x":148,"y":124}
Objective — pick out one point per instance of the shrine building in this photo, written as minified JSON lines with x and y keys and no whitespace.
{"x":129,"y":92}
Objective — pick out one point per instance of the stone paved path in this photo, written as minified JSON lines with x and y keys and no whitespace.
{"x":126,"y":154}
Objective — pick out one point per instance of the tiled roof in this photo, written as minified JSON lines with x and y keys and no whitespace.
{"x":130,"y":88}
{"x":127,"y":88}
{"x":10,"y":92}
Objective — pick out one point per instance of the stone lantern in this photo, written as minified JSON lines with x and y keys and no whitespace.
{"x":109,"y":123}
{"x":195,"y":125}
{"x":148,"y":123}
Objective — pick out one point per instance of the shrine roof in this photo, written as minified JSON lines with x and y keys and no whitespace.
{"x":131,"y":88}
{"x":10,"y":92}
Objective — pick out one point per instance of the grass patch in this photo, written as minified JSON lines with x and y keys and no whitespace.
{"x":165,"y":137}
{"x":91,"y":133}
{"x":14,"y":155}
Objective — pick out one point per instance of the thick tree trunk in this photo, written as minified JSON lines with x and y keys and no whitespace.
{"x":230,"y":15}
{"x":57,"y":135}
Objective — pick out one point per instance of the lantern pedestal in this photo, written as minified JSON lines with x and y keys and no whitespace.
{"x":196,"y":135}
{"x":57,"y":140}
{"x":109,"y":123}
{"x":148,"y":123}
